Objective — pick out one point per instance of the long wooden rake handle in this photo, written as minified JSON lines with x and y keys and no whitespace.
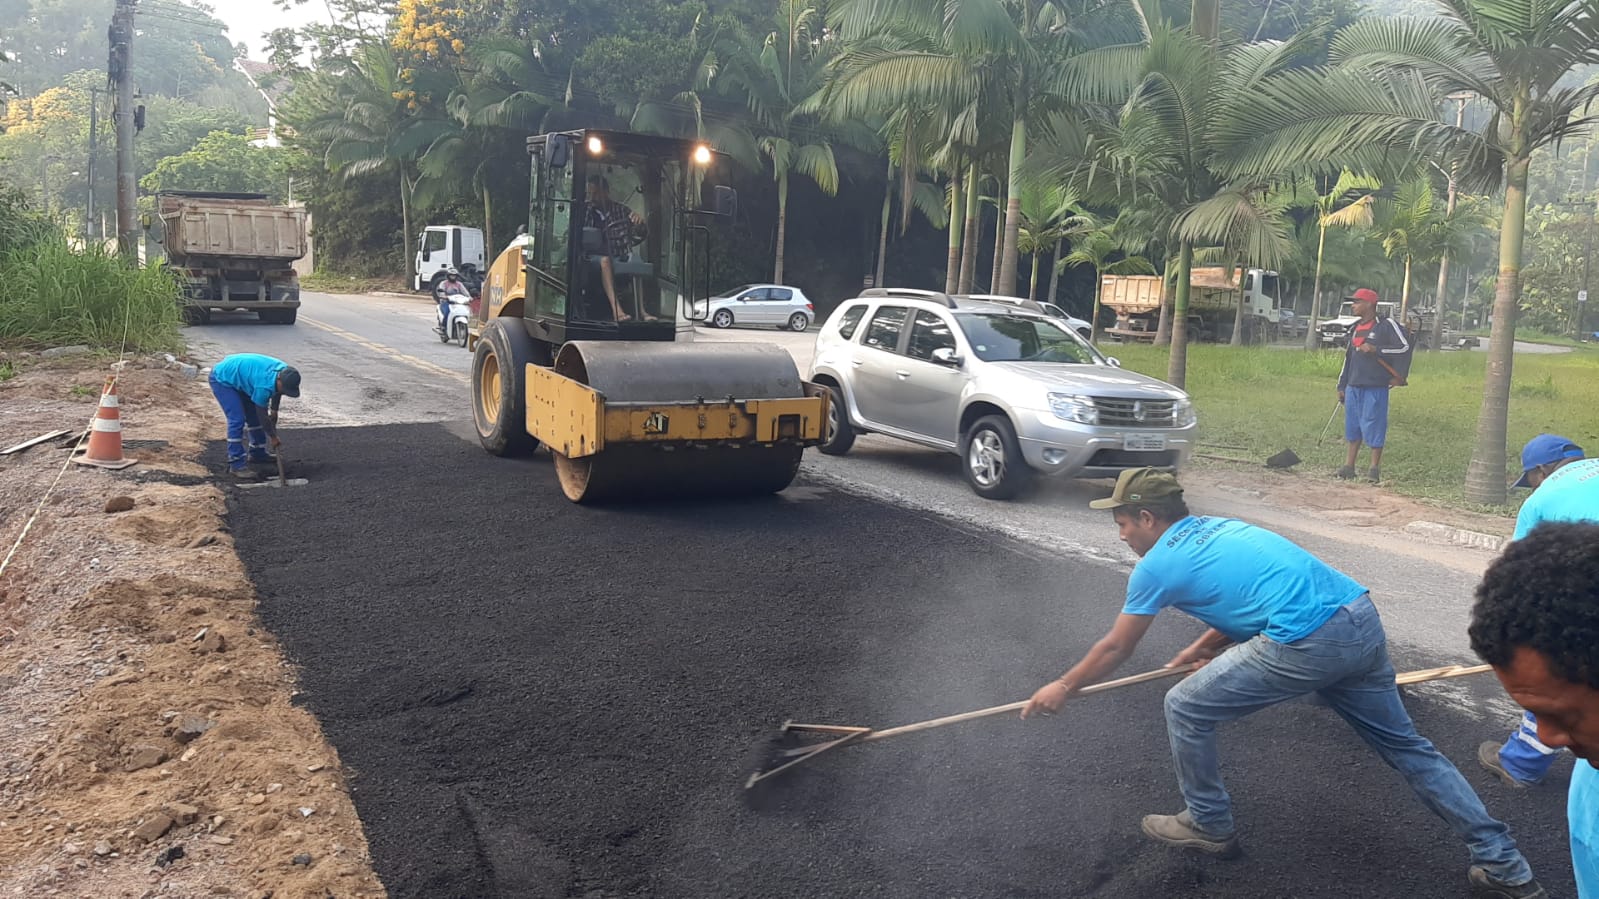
{"x":1157,"y":674}
{"x":1427,"y":674}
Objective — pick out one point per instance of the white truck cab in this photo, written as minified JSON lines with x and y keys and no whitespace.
{"x":443,"y":247}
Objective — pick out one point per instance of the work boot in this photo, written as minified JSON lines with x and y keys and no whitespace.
{"x":1374,"y":476}
{"x":242,"y":474}
{"x":1179,"y":830}
{"x":1485,"y":887}
{"x":1488,"y":757}
{"x":1345,"y":473}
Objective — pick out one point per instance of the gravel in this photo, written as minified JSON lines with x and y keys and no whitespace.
{"x":541,"y":699}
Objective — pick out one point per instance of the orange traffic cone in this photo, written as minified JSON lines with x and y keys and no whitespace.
{"x":105,"y":435}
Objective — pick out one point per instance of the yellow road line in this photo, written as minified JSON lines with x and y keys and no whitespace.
{"x":389,"y":351}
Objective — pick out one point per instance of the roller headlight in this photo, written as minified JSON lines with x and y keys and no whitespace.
{"x":1071,"y":407}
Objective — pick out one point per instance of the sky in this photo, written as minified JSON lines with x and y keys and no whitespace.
{"x":247,"y":20}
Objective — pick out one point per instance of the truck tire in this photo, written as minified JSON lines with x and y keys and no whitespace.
{"x":278,"y":316}
{"x":499,"y":402}
{"x":196,"y":315}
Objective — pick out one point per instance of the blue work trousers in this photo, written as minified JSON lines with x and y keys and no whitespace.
{"x":1524,"y":756}
{"x":243,"y":420}
{"x":1345,"y":662}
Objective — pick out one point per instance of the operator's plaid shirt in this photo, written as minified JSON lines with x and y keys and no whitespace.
{"x":615,"y":221}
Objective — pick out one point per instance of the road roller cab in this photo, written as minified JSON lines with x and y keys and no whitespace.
{"x":574,"y":347}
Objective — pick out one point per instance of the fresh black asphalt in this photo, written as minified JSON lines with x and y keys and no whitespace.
{"x":539,"y":699}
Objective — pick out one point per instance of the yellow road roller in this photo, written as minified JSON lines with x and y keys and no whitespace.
{"x":583,"y":342}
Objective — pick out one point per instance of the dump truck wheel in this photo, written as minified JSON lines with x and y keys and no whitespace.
{"x":499,"y":402}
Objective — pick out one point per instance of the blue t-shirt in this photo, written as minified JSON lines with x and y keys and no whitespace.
{"x":1239,"y":579}
{"x":253,"y":373}
{"x":1570,"y":494}
{"x":1582,"y":814}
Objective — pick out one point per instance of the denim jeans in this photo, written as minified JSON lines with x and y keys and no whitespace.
{"x":1345,"y":661}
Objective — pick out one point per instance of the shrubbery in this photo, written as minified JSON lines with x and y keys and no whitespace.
{"x":57,"y":295}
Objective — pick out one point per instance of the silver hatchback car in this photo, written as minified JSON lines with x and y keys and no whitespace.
{"x":1002,"y":384}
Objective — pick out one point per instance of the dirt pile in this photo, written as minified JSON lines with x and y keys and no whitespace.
{"x":148,"y":740}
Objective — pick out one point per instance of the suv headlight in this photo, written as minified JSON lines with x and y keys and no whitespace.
{"x":1183,"y":414}
{"x":1072,"y":407}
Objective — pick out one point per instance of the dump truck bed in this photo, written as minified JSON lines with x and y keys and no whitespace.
{"x":232,"y":229}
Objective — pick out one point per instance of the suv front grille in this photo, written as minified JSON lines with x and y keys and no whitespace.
{"x":1120,"y":412}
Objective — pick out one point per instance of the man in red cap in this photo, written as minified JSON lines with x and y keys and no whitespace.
{"x":1365,"y":380}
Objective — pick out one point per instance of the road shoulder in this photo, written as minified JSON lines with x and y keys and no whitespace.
{"x":147,"y":719}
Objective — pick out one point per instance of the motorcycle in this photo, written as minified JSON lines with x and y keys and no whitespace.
{"x":454,"y":328}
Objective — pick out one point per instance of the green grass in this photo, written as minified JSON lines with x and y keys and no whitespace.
{"x":56,"y":296}
{"x":1266,"y":400}
{"x":332,"y":282}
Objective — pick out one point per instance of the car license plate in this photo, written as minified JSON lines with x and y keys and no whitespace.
{"x":1144,"y":443}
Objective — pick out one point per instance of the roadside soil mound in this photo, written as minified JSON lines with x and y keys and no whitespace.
{"x":149,"y":744}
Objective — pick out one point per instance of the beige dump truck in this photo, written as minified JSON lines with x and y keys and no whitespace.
{"x":233,"y":251}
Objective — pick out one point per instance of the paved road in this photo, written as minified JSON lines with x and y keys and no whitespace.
{"x":376,"y":360}
{"x":540,"y":699}
{"x":514,"y":677}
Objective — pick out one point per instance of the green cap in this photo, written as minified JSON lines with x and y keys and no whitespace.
{"x":1137,"y":486}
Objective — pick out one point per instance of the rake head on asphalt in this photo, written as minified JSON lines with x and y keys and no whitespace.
{"x":788,"y":748}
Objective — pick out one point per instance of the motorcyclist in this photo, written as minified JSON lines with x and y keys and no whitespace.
{"x":451,"y":286}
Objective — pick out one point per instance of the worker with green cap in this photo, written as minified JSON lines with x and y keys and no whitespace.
{"x":1295,"y":626}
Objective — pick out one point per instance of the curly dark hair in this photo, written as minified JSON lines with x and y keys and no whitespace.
{"x":1543,"y":594}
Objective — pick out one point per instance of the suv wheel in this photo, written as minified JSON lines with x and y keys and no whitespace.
{"x":992,"y":459}
{"x":840,"y":433}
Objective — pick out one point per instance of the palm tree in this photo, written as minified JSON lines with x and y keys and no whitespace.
{"x":1347,"y":204}
{"x":1163,"y":145}
{"x":375,"y":126}
{"x":1096,"y":249}
{"x":1384,"y":93}
{"x":775,"y":84}
{"x":1409,"y":229}
{"x":1050,"y":214}
{"x":1010,"y":61}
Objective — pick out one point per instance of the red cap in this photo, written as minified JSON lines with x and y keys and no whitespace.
{"x":1365,"y":295}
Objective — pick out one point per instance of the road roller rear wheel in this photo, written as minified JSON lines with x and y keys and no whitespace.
{"x":499,"y":401}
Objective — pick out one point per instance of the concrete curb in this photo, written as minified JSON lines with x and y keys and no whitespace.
{"x":1443,"y":533}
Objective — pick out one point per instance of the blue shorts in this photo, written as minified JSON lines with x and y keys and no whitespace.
{"x":1366,"y":415}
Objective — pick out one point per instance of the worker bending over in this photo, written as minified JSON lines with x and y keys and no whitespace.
{"x":1300,"y":627}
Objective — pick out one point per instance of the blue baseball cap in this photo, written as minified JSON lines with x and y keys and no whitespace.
{"x":1545,"y":449}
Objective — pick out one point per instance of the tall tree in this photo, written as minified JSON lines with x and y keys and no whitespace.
{"x":1346,"y":204}
{"x":1391,"y":75}
{"x":1012,"y":61}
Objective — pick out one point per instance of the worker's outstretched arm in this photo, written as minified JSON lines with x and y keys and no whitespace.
{"x":1106,"y":655}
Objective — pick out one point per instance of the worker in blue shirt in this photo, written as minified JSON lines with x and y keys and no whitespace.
{"x":1537,"y":622}
{"x":1565,"y":487}
{"x":1300,"y":627}
{"x":248,"y":387}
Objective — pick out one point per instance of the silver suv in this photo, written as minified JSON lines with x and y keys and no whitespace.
{"x":999,"y":382}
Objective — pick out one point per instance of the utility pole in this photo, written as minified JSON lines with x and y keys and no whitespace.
{"x":121,"y":72}
{"x":94,"y":150}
